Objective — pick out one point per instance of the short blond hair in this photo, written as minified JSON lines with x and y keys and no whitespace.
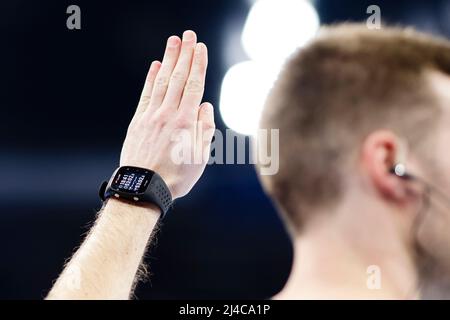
{"x":346,"y":83}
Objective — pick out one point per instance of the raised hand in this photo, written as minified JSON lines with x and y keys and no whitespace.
{"x":171,"y":130}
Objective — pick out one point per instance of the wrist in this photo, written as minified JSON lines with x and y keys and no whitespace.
{"x":148,"y":211}
{"x":138,"y":187}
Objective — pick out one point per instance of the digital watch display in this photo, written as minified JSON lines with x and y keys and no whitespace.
{"x":138,"y":185}
{"x":132,"y":180}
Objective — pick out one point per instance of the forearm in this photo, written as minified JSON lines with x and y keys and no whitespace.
{"x":105,"y":266}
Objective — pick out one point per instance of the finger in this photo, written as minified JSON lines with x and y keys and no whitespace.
{"x":205,"y":132}
{"x":193,"y":91}
{"x":162,"y":79}
{"x":148,"y":87}
{"x":181,"y":71}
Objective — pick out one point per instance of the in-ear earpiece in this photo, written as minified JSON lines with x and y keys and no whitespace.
{"x":400,"y":171}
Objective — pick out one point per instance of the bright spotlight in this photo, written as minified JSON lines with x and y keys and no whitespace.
{"x":243,"y":93}
{"x":275,"y":28}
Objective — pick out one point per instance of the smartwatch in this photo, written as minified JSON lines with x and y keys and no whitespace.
{"x":138,"y":185}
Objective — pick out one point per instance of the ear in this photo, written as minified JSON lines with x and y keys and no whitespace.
{"x":380,"y":152}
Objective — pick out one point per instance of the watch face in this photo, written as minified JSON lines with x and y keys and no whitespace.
{"x":131,"y":180}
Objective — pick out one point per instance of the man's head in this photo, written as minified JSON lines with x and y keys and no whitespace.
{"x":349,"y":106}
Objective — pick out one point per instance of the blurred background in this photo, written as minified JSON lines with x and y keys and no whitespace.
{"x":67,"y":97}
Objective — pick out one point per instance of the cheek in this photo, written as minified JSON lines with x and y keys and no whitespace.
{"x":441,"y":162}
{"x":434,"y":223}
{"x":432,"y":155}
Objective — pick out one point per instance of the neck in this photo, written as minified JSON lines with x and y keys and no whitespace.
{"x":348,"y":257}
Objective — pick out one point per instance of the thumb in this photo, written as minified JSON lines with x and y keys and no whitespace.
{"x":205,"y":129}
{"x":206,"y":115}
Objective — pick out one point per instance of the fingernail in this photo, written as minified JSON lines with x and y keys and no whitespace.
{"x":153,"y":64}
{"x":188,"y":35}
{"x":172,"y":41}
{"x":200,"y":47}
{"x":208,"y":108}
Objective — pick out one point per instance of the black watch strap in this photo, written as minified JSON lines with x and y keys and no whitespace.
{"x":156,"y":193}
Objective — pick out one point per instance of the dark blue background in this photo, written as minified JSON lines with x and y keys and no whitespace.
{"x":66,"y":100}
